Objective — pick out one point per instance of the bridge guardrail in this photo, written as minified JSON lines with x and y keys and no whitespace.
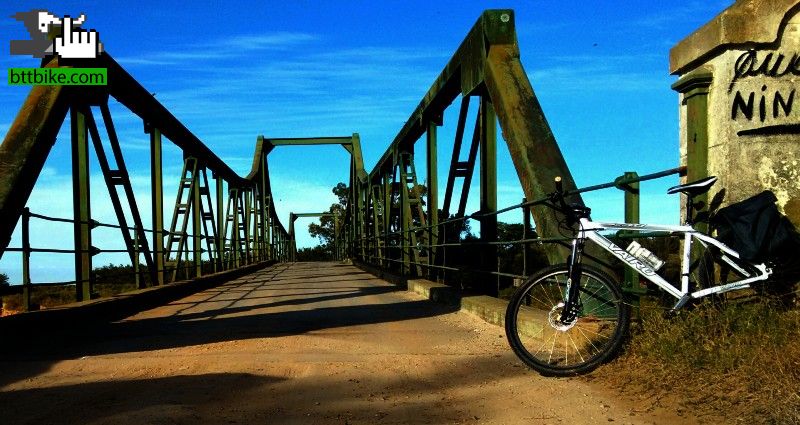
{"x":628,"y":182}
{"x":248,"y":223}
{"x":282,"y":250}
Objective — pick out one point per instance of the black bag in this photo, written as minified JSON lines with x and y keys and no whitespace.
{"x":758,"y":231}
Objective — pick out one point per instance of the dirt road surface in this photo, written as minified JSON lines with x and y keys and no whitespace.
{"x":303,"y":343}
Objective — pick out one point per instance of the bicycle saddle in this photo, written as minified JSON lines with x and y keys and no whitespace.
{"x":694,"y":188}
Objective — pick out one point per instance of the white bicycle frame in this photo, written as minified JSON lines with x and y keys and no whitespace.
{"x":590,"y":230}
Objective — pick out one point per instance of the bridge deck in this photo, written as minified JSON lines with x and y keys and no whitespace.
{"x":296,"y":343}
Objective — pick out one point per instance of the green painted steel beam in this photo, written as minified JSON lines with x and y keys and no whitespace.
{"x":157,"y":202}
{"x":272,"y":143}
{"x":248,"y":219}
{"x":534,"y":151}
{"x":263,"y":213}
{"x":25,"y":149}
{"x":432,"y":198}
{"x":359,"y":184}
{"x":197,"y":230}
{"x":488,"y":188}
{"x":694,"y":88}
{"x":29,"y":139}
{"x":306,"y":141}
{"x":487,"y":64}
{"x":26,"y":259}
{"x":81,"y":205}
{"x":463,"y":74}
{"x":631,"y":277}
{"x":295,"y":216}
{"x":130,"y":93}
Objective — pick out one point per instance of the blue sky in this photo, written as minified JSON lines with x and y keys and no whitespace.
{"x":232,"y":71}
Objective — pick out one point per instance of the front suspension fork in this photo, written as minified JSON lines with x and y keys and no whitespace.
{"x":572,"y":301}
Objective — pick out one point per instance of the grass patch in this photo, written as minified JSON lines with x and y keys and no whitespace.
{"x":741,"y":361}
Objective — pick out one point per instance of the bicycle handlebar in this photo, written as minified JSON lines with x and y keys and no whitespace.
{"x":573,"y":212}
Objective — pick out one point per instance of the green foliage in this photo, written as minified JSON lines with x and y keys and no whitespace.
{"x":325,"y":231}
{"x":114,"y":274}
{"x":317,"y":253}
{"x":470,"y":257}
{"x":4,"y":279}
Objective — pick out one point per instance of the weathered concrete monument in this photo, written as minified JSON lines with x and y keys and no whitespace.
{"x":740,"y":102}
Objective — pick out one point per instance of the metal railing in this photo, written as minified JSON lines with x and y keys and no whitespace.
{"x":229,"y":235}
{"x":394,"y":222}
{"x":278,"y":250}
{"x":375,"y":244}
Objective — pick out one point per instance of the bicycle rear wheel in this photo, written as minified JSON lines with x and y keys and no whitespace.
{"x":553,"y":348}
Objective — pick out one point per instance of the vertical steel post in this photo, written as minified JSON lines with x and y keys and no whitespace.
{"x":631,"y":198}
{"x":282,"y":239}
{"x":361,"y":189}
{"x":388,"y":253}
{"x":336,"y":238}
{"x":136,"y":277}
{"x":268,"y":236}
{"x":157,"y":196}
{"x":263,"y":212}
{"x":26,"y":259}
{"x":694,"y":88}
{"x":81,"y":205}
{"x":235,"y":236}
{"x":273,"y":243}
{"x":631,"y":278}
{"x":292,"y":219}
{"x":433,"y":196}
{"x":405,"y":221}
{"x":488,"y":185}
{"x":375,"y":201}
{"x":526,"y":229}
{"x":248,"y":218}
{"x":197,"y":224}
{"x":254,"y":221}
{"x":220,"y":243}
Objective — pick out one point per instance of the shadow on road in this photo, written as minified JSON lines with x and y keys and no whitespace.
{"x":245,"y":308}
{"x":154,"y":400}
{"x":441,"y":396}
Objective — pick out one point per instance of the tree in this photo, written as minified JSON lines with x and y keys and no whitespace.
{"x":3,"y":279}
{"x":325,"y":231}
{"x":317,"y":253}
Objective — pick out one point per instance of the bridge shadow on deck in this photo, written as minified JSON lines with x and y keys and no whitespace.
{"x":437,"y":396}
{"x":245,"y":308}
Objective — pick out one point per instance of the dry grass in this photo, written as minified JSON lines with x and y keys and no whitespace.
{"x":741,"y":362}
{"x":52,"y":296}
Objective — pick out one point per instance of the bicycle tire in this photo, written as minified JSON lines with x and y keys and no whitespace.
{"x":600,"y":329}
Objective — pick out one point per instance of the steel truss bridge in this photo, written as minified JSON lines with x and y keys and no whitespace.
{"x":222,"y":222}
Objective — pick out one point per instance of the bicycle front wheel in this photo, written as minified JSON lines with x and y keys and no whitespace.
{"x":554,"y":348}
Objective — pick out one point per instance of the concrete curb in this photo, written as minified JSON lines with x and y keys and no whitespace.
{"x":76,"y":318}
{"x":491,"y":310}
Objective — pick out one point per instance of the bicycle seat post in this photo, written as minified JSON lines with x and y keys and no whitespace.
{"x":691,"y":190}
{"x":689,"y":209}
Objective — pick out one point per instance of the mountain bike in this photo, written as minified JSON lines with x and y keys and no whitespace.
{"x":568,"y":319}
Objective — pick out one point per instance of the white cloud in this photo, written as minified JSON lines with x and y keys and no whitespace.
{"x":220,"y":49}
{"x":681,"y":13}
